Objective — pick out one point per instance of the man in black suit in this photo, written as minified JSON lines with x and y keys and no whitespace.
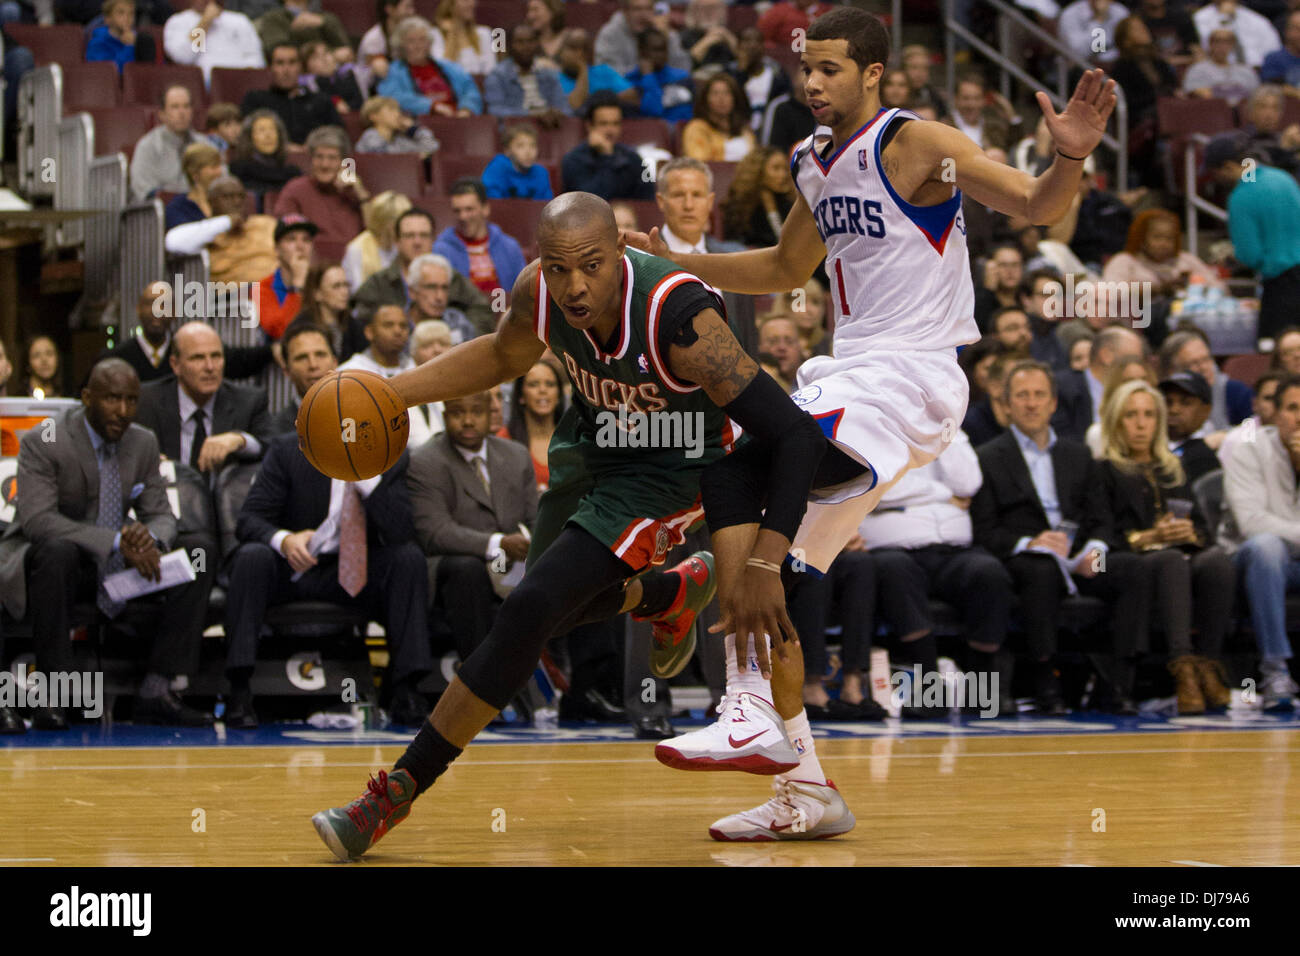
{"x":1034,"y":481}
{"x":1080,"y":391}
{"x":304,"y":536}
{"x":80,"y":477}
{"x":307,"y":359}
{"x":1189,"y":400}
{"x":301,"y":109}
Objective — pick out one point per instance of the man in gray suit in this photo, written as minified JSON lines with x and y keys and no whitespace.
{"x":79,"y":475}
{"x":470,"y":494}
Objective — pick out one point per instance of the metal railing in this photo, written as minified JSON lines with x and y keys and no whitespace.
{"x":106,"y":181}
{"x":1008,"y":70}
{"x":40,"y":107}
{"x":1192,"y":201}
{"x":141,"y":254}
{"x":72,"y":175}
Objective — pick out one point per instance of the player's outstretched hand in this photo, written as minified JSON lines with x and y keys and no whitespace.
{"x":757,"y":606}
{"x":1079,"y":129}
{"x":652,"y":242}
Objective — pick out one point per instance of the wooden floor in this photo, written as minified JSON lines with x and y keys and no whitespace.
{"x":1187,"y":798}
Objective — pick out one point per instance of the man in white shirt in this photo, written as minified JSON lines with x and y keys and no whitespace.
{"x":1219,"y":76}
{"x":156,"y":160}
{"x":387,"y":332}
{"x":1256,"y":37}
{"x":1264,"y":408}
{"x":207,"y":35}
{"x":1081,"y":22}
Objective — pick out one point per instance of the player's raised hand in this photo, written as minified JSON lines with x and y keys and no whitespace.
{"x":757,"y":606}
{"x":1079,"y":129}
{"x":652,"y":242}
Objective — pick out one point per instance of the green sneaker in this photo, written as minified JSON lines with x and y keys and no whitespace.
{"x":352,"y":830}
{"x":674,"y":628}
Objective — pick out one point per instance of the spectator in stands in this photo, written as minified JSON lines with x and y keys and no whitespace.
{"x":156,"y":161}
{"x":778,"y":337}
{"x":1265,"y":410}
{"x":1260,"y":487}
{"x":71,"y":531}
{"x":536,"y":404}
{"x":279,"y":295}
{"x":1081,"y":392}
{"x":1256,"y":37}
{"x":221,"y":126}
{"x":1218,"y":77}
{"x":1080,"y":351}
{"x":460,"y":40}
{"x":762,"y":78}
{"x":1003,"y":274}
{"x":706,"y":37}
{"x":200,"y":418}
{"x":807,"y":306}
{"x":392,"y":131}
{"x":602,"y":165}
{"x":423,"y":85}
{"x":894,"y":91}
{"x":1078,"y":25}
{"x":241,"y":248}
{"x":1126,"y":368}
{"x":761,"y":196}
{"x":308,"y":358}
{"x":429,"y":339}
{"x":260,"y":154}
{"x":1172,"y":32}
{"x":1189,"y":350}
{"x":720,"y":129}
{"x":301,"y":110}
{"x":788,"y":120}
{"x":429,"y":279}
{"x":517,"y":86}
{"x":780,"y":21}
{"x":1144,"y":77}
{"x":1154,"y":254}
{"x":325,"y":75}
{"x":476,"y":247}
{"x":1035,"y":291}
{"x":625,"y":217}
{"x":329,"y":195}
{"x":388,"y":286}
{"x":1010,"y":326}
{"x":472,"y":493}
{"x":6,"y":369}
{"x":295,"y":24}
{"x":372,"y":51}
{"x":986,"y":414}
{"x":376,"y":247}
{"x":665,"y":92}
{"x":985,"y":116}
{"x":201,"y":163}
{"x":546,"y":17}
{"x":1153,"y":514}
{"x":1282,"y":66}
{"x":1033,"y":481}
{"x":229,"y":38}
{"x":975,"y":361}
{"x":916,"y":60}
{"x":42,"y":370}
{"x":387,"y":333}
{"x":1274,"y":145}
{"x":616,"y":41}
{"x":580,"y":76}
{"x":361,"y":554}
{"x":1286,"y":351}
{"x":116,"y":39}
{"x":1188,"y":402}
{"x":515,"y":173}
{"x":325,"y":307}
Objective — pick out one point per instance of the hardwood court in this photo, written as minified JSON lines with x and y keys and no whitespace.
{"x":1177,"y":798}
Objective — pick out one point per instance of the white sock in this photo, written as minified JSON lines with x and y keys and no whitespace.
{"x":750,"y":681}
{"x":801,"y":739}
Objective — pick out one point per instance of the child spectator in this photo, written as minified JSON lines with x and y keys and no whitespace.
{"x":116,"y":40}
{"x":325,"y":75}
{"x":221,"y":126}
{"x":392,"y":131}
{"x":665,"y":91}
{"x":515,"y":173}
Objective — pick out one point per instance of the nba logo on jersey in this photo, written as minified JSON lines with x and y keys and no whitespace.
{"x":862,"y":160}
{"x":642,"y":364}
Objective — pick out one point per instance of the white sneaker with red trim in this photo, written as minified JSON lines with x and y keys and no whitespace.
{"x":748,"y":735}
{"x":798,"y":811}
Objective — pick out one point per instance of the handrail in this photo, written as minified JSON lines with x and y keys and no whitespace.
{"x":1194,"y":202}
{"x":954,"y":29}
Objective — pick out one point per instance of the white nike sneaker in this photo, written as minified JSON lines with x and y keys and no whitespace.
{"x":799,"y":811}
{"x":748,"y":735}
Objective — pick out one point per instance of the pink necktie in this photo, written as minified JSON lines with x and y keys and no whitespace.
{"x":352,"y":542}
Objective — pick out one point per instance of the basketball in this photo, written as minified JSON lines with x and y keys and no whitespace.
{"x":352,"y":425}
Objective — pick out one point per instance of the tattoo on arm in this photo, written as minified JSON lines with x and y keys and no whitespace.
{"x":715,"y":361}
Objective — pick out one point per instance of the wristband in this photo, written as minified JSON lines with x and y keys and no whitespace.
{"x":1077,"y":159}
{"x":764,"y":565}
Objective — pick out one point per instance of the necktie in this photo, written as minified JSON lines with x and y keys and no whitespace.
{"x":480,"y":469}
{"x":200,"y":436}
{"x":352,"y":542}
{"x":110,"y":516}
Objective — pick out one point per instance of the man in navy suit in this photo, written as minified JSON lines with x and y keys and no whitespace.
{"x":308,"y":537}
{"x":1080,"y":391}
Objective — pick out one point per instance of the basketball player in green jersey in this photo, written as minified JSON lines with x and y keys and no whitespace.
{"x":650,"y":356}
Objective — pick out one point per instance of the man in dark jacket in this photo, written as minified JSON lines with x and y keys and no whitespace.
{"x":602,"y":165}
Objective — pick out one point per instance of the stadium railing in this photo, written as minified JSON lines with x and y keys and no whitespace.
{"x":141,"y":254}
{"x":106,"y":183}
{"x":40,"y":107}
{"x":76,"y":146}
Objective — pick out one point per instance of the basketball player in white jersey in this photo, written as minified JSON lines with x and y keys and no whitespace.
{"x":880,"y":195}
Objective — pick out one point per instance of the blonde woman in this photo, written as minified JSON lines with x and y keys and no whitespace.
{"x":461,"y":40}
{"x":375,"y":247}
{"x":1121,"y":370}
{"x":201,"y":163}
{"x":1153,"y":514}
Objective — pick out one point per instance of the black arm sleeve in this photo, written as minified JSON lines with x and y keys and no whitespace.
{"x":680,"y":306}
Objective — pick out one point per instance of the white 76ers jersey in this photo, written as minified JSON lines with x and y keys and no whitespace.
{"x":900,"y":275}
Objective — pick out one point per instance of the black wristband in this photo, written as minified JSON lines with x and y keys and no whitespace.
{"x":1077,"y":159}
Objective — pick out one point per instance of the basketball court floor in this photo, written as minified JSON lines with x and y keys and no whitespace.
{"x":1082,"y":791}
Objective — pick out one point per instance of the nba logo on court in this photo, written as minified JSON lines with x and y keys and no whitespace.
{"x":862,"y":159}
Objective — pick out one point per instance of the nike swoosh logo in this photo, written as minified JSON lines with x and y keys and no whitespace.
{"x":777,"y":829}
{"x":740,"y":743}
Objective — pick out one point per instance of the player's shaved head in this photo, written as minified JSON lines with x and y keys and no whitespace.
{"x":110,"y":398}
{"x":577,"y":214}
{"x":111,"y":373}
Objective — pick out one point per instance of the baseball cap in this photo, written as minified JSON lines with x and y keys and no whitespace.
{"x":291,"y":221}
{"x":1190,"y":383}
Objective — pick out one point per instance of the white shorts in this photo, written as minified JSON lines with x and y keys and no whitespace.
{"x":891,"y":411}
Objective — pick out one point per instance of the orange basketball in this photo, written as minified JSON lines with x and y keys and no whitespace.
{"x":352,"y":425}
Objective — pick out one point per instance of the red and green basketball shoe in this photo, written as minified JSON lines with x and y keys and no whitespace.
{"x":352,"y":830}
{"x":674,"y":627}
